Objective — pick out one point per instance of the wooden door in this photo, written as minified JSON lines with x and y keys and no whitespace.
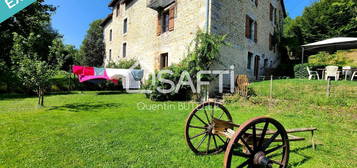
{"x":256,"y":67}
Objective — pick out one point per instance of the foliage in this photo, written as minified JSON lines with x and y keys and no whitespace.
{"x":203,"y":56}
{"x":324,"y":58}
{"x":92,"y":51}
{"x":322,"y":20}
{"x":33,"y":19}
{"x":62,"y":54}
{"x":184,"y":93}
{"x":123,"y":64}
{"x":301,"y":71}
{"x":33,"y":72}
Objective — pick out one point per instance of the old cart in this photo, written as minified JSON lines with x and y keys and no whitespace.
{"x":259,"y":142}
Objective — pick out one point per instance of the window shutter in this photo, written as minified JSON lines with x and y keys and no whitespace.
{"x":158,"y":27}
{"x":271,"y":12}
{"x":256,"y":2}
{"x":255,"y":31}
{"x":247,"y":27}
{"x":172,"y":18}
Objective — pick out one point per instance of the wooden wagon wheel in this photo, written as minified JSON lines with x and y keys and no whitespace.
{"x":259,"y":142}
{"x":199,"y":129}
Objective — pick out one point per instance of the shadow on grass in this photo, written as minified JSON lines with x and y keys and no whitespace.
{"x":111,"y":93}
{"x":84,"y":107}
{"x":304,"y":157}
{"x":14,"y":96}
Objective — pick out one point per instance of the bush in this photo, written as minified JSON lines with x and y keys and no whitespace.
{"x":183,"y":94}
{"x":123,"y":64}
{"x":324,"y":58}
{"x":300,"y":71}
{"x":204,"y":54}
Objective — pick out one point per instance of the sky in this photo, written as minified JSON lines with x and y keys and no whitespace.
{"x":73,"y":17}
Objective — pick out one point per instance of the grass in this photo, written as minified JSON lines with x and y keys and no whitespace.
{"x":127,"y":130}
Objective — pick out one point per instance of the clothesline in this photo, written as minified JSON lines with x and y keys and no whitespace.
{"x":130,"y":77}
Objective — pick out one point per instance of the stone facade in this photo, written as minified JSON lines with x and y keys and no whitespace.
{"x":215,"y":16}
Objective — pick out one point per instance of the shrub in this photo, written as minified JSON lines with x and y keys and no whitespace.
{"x":183,"y":94}
{"x":300,"y":71}
{"x":324,"y":58}
{"x":123,"y":64}
{"x":204,"y":54}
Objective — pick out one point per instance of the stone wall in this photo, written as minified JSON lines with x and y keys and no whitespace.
{"x":229,"y":18}
{"x":142,"y":41}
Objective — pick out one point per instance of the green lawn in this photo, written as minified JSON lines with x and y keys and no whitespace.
{"x":101,"y":129}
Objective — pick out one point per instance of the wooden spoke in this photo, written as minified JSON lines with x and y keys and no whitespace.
{"x":221,"y":115}
{"x":263,"y":134}
{"x":191,"y":126}
{"x":200,"y":119}
{"x":254,"y":137}
{"x":274,"y":149}
{"x":244,"y":163}
{"x":215,"y":142}
{"x":241,"y":154}
{"x":258,"y":149}
{"x":204,"y":132}
{"x":204,"y":110}
{"x":276,"y":162}
{"x":202,"y":140}
{"x":209,"y":141}
{"x":272,"y":138}
{"x":221,"y":139}
{"x":247,"y":146}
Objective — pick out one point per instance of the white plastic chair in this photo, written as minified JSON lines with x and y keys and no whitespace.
{"x":346,"y":71}
{"x":332,"y":71}
{"x":354,"y":75}
{"x":312,"y":73}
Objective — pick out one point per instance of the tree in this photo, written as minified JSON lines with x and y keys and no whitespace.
{"x":329,"y":18}
{"x":33,"y":72}
{"x":92,"y":50}
{"x":322,"y":20}
{"x":34,"y":18}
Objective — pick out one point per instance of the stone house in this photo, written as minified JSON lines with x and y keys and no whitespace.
{"x":158,"y":32}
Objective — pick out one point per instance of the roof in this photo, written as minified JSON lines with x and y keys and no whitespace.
{"x":106,"y":20}
{"x":284,"y":9}
{"x":332,"y":41}
{"x":336,"y":43}
{"x":112,"y":3}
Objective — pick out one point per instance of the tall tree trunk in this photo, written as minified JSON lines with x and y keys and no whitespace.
{"x":42,"y":96}
{"x":39,"y":95}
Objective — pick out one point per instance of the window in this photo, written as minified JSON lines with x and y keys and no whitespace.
{"x":166,"y":21}
{"x":272,"y":44}
{"x":125,"y":25}
{"x":249,"y":63}
{"x":110,"y":35}
{"x":110,"y":55}
{"x":124,"y":50}
{"x":273,"y":14}
{"x":118,"y":9}
{"x":164,"y":60}
{"x":251,"y":29}
{"x":275,"y":17}
{"x":265,"y":63}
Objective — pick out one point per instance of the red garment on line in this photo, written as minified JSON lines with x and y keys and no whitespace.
{"x":78,"y":70}
{"x":88,"y":71}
